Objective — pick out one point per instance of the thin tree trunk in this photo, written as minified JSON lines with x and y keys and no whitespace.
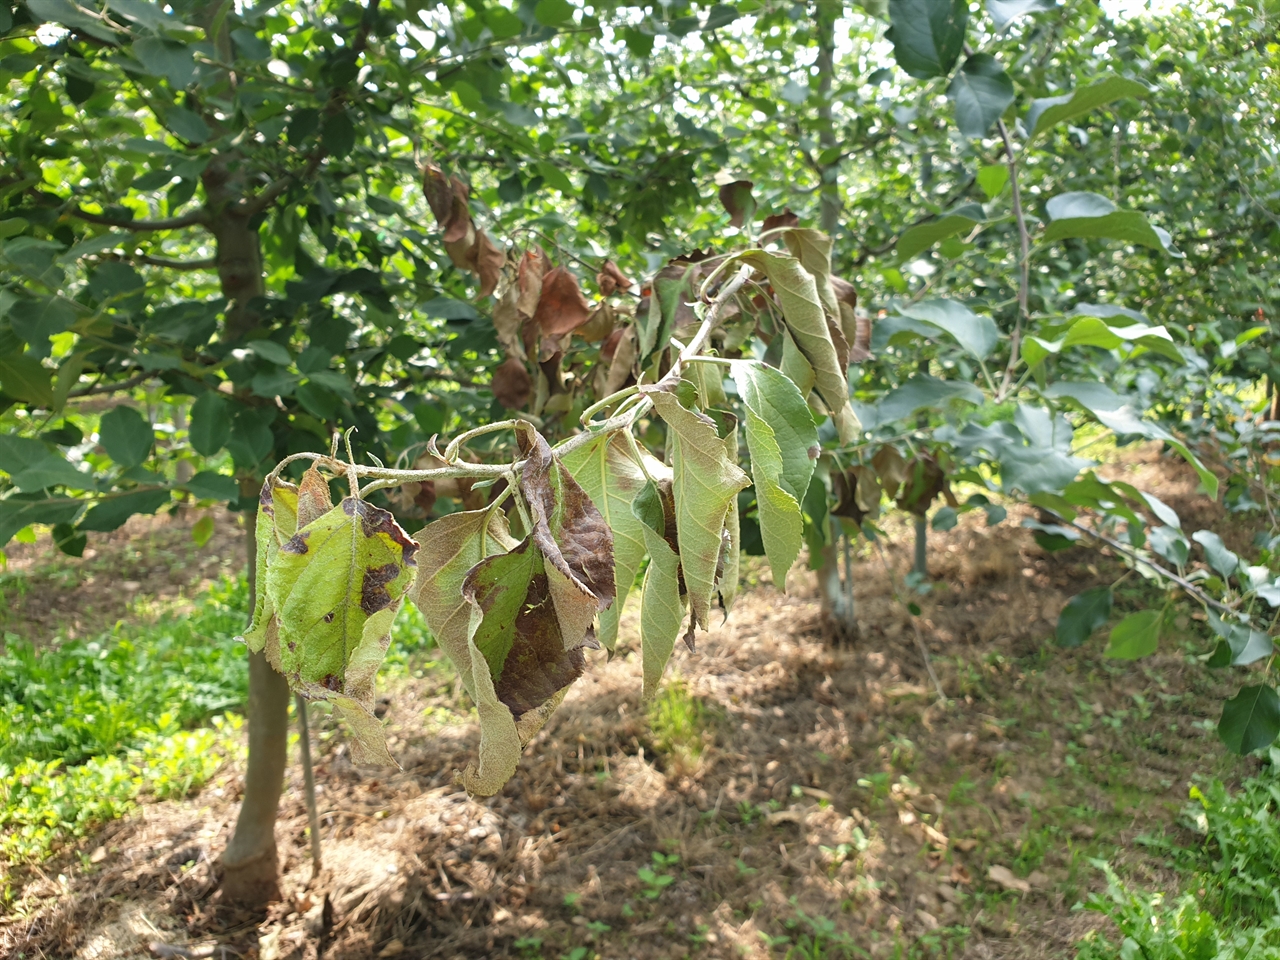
{"x":250,"y":866}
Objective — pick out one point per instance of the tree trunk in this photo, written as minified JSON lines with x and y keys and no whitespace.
{"x":250,"y":867}
{"x":251,"y":873}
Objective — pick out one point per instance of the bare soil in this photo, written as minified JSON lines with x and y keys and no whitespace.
{"x":823,"y":792}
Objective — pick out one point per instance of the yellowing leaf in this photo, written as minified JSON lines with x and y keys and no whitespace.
{"x":705,"y":480}
{"x":276,"y":522}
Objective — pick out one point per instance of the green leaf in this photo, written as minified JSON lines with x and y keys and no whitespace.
{"x":1250,"y":720}
{"x":773,"y":398}
{"x":552,"y":13}
{"x":1005,"y":12}
{"x":992,"y":178}
{"x":1084,"y":215}
{"x":338,"y":135}
{"x":449,"y":548}
{"x":110,"y":514}
{"x":923,"y":236}
{"x":187,"y":124}
{"x":704,"y":480}
{"x":19,"y":512}
{"x":126,"y":436}
{"x":208,"y":485}
{"x":554,"y":176}
{"x":25,"y":378}
{"x":781,"y":525}
{"x":921,"y":392}
{"x":50,"y":471}
{"x":1136,"y":636}
{"x":272,"y":352}
{"x":210,"y":427}
{"x":1048,"y":112}
{"x":202,"y":530}
{"x":981,"y":91}
{"x":1083,"y":614}
{"x":806,"y":320}
{"x":661,"y":606}
{"x":166,"y":58}
{"x":927,"y":35}
{"x":72,"y":15}
{"x":1220,"y":558}
{"x":977,"y":334}
{"x":607,"y":471}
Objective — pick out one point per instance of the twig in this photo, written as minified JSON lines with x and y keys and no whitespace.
{"x":1133,"y":555}
{"x":1024,"y":261}
{"x":100,"y":388}
{"x":309,"y":782}
{"x":191,"y":219}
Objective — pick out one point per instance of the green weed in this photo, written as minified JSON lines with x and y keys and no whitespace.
{"x":680,"y":723}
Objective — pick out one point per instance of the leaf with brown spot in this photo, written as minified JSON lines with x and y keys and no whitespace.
{"x":511,"y":384}
{"x":571,"y":535}
{"x":925,"y":480}
{"x":610,"y":279}
{"x":738,"y":202}
{"x":337,"y":585}
{"x":781,"y":220}
{"x":561,"y":306}
{"x":489,"y":262}
{"x":599,"y":325}
{"x":276,"y":522}
{"x":891,"y":469}
{"x":857,"y":492}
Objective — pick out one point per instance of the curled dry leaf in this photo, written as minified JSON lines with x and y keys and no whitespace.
{"x":610,"y":279}
{"x":512,"y":386}
{"x":462,"y":251}
{"x":781,"y":220}
{"x":533,"y":267}
{"x":891,"y":468}
{"x":738,"y":202}
{"x":925,"y":479}
{"x":506,"y":318}
{"x":489,"y":259}
{"x":1007,"y":879}
{"x":459,"y":220}
{"x":599,"y":325}
{"x":625,"y":353}
{"x":857,"y":493}
{"x":314,"y":500}
{"x":439,"y":192}
{"x":561,"y":306}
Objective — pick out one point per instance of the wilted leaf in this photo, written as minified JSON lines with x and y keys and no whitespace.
{"x":611,"y":279}
{"x":704,"y":480}
{"x":507,"y":320}
{"x":806,"y":319}
{"x":667,"y":306}
{"x":489,"y":260}
{"x":439,"y":192}
{"x":891,"y":468}
{"x":611,"y":477}
{"x":738,"y":202}
{"x":533,"y":267}
{"x":625,"y":353}
{"x":314,"y":500}
{"x":661,"y":603}
{"x":728,"y":570}
{"x":599,"y":325}
{"x":857,"y":492}
{"x":458,"y":225}
{"x":511,"y":384}
{"x":925,"y":480}
{"x":450,"y":548}
{"x":779,"y":221}
{"x":572,"y":535}
{"x":561,"y":306}
{"x":277,"y":521}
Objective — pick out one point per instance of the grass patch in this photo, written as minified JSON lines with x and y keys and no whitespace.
{"x":86,"y":727}
{"x":681,"y":727}
{"x":1231,"y":908}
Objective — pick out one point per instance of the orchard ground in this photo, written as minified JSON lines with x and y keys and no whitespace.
{"x":781,"y":798}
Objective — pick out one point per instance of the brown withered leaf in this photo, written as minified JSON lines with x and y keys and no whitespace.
{"x":463,"y":252}
{"x":489,"y":260}
{"x":860,"y":346}
{"x":925,"y":480}
{"x":625,"y":352}
{"x":512,"y":386}
{"x":571,"y":534}
{"x":856,"y":329}
{"x":610,"y":345}
{"x":561,"y":306}
{"x":857,"y":492}
{"x":599,"y":325}
{"x":459,"y":222}
{"x":533,"y":267}
{"x":840,"y":343}
{"x":506,"y":319}
{"x":314,"y":500}
{"x":610,"y":279}
{"x":439,"y":192}
{"x":891,"y":468}
{"x":737,"y":201}
{"x":781,"y":220}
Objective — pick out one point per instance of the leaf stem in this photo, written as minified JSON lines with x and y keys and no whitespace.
{"x":451,"y":451}
{"x":608,"y":401}
{"x":1024,"y":261}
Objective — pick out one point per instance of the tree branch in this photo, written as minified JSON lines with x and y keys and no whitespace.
{"x":194,"y":218}
{"x":102,"y":388}
{"x":1024,"y":260}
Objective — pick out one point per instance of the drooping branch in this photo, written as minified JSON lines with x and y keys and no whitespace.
{"x":210,"y":263}
{"x":194,"y":218}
